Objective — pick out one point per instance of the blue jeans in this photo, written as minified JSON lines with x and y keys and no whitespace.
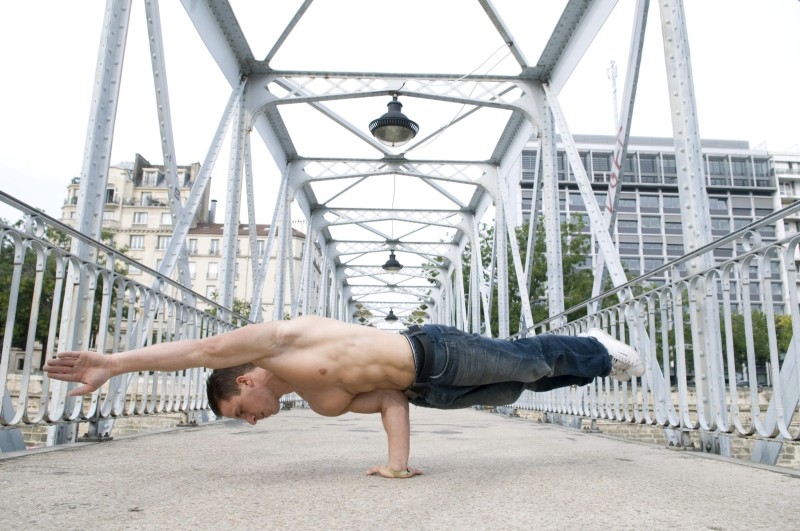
{"x":470,"y":369}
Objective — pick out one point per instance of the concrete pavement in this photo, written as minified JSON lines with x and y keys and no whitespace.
{"x":302,"y":471}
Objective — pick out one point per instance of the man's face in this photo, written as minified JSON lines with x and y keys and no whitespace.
{"x":255,"y":400}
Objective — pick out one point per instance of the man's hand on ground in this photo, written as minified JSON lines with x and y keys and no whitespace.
{"x":387,"y":472}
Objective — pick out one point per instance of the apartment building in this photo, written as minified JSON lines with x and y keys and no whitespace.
{"x":137,"y":216}
{"x":743,"y":185}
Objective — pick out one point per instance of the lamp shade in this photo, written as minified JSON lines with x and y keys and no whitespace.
{"x":392,"y":265}
{"x":393,"y":128}
{"x":391,"y":316}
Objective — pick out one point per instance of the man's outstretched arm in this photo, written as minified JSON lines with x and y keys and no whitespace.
{"x":393,"y":407}
{"x":243,"y":345}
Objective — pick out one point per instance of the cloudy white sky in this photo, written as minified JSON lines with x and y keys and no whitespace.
{"x":746,"y":66}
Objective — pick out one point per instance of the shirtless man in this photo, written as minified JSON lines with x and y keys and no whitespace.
{"x":338,"y":367}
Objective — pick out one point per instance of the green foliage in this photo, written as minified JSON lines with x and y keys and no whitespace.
{"x":578,"y":278}
{"x":417,"y":316}
{"x":25,"y":293}
{"x":363,"y":315}
{"x":240,"y":306}
{"x":783,"y":331}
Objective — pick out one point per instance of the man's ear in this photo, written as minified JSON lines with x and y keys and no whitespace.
{"x":244,"y":380}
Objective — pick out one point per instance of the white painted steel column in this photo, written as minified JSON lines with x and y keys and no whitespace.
{"x":501,"y":242}
{"x":694,"y":199}
{"x":252,"y":232}
{"x":233,"y":201}
{"x":167,"y":143}
{"x":91,"y":201}
{"x":552,"y":221}
{"x":308,"y":268}
{"x":264,"y":260}
{"x":526,"y":316}
{"x":283,"y":232}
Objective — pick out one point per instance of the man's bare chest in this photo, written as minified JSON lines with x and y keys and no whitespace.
{"x":329,"y":402}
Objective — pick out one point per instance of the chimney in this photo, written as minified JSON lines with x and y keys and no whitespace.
{"x":212,"y":212}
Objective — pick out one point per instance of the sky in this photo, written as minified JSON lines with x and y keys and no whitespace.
{"x":745,"y":56}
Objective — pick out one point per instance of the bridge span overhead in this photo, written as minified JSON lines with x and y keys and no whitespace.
{"x":297,"y":134}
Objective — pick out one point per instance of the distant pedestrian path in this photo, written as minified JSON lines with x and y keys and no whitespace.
{"x":302,"y":471}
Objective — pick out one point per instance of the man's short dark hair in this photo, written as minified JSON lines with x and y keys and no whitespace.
{"x":221,"y":385}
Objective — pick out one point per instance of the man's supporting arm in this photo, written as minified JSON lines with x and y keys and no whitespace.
{"x":393,"y":407}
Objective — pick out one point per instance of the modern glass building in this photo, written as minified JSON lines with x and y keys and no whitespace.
{"x":743,"y":185}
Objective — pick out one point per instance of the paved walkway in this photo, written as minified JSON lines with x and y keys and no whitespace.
{"x":302,"y":471}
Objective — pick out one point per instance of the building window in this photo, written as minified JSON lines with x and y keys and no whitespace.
{"x":528,"y":160}
{"x":136,"y":241}
{"x":648,"y":202}
{"x":601,"y":198}
{"x":575,"y":200}
{"x":140,"y":218}
{"x":261,"y":246}
{"x":652,"y":247}
{"x":673,"y":227}
{"x":675,"y":249}
{"x":721,"y":224}
{"x":150,"y":178}
{"x":108,"y":216}
{"x":147,"y":199}
{"x":163,"y":242}
{"x":651,"y":264}
{"x":192,"y":245}
{"x":651,"y":222}
{"x":740,"y":167}
{"x":213,"y":271}
{"x":192,"y":270}
{"x":668,"y":162}
{"x":718,"y":203}
{"x":214,"y":249}
{"x":601,"y":161}
{"x":627,"y":203}
{"x":627,"y":225}
{"x":631,"y":265}
{"x":166,"y":219}
{"x":211,"y":292}
{"x":671,"y":202}
{"x":647,"y":163}
{"x":628,"y":248}
{"x":110,"y":195}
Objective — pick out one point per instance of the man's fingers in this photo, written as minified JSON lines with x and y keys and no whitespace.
{"x":387,"y":473}
{"x":60,"y":362}
{"x":82,"y":390}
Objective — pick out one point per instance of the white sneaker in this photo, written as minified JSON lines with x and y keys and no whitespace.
{"x":625,"y":361}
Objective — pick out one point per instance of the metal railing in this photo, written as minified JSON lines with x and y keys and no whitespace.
{"x":52,"y":300}
{"x":743,"y":313}
{"x":720,"y":347}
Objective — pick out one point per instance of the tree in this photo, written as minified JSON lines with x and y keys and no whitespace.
{"x":363,"y":315}
{"x":578,"y":277}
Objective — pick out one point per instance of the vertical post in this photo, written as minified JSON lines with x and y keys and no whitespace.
{"x":500,"y":238}
{"x":694,"y":200}
{"x":282,"y":260}
{"x":230,"y":231}
{"x":91,"y":193}
{"x":552,"y":221}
